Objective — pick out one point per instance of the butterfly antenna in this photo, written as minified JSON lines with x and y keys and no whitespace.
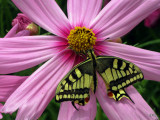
{"x":74,"y":106}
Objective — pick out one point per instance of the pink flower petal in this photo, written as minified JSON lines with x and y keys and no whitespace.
{"x":124,"y":109}
{"x":12,"y":32}
{"x":147,"y":61}
{"x":20,"y":53}
{"x":23,"y":33}
{"x":142,"y":107}
{"x":28,"y":109}
{"x":1,"y":116}
{"x":9,"y":84}
{"x":33,"y":95}
{"x":118,"y":17}
{"x":81,"y":12}
{"x":47,"y":14}
{"x":87,"y":112}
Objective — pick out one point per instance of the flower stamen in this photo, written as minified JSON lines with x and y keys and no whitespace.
{"x":81,"y":39}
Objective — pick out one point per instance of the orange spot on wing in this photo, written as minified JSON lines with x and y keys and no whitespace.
{"x":110,"y":94}
{"x":86,"y":99}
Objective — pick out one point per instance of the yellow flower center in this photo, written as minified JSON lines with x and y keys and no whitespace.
{"x":81,"y":39}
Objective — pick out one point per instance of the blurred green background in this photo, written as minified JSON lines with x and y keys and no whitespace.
{"x":147,"y":38}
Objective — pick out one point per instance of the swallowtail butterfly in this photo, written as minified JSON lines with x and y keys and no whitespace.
{"x":116,"y":73}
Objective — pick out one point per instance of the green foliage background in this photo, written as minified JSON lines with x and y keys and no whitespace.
{"x":147,"y":38}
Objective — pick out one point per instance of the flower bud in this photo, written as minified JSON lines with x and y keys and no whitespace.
{"x":24,"y":23}
{"x":33,"y":28}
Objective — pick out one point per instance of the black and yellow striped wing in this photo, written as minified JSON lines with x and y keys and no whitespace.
{"x":118,"y":74}
{"x":75,"y":86}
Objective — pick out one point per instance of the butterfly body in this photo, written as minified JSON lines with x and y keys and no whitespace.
{"x":116,"y":73}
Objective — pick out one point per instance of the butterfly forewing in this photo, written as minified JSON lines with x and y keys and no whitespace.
{"x":118,"y":73}
{"x":75,"y":86}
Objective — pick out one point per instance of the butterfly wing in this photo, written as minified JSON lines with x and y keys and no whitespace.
{"x":75,"y":86}
{"x":118,"y":74}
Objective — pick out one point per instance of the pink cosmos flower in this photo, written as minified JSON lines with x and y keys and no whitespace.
{"x":116,"y":19}
{"x":152,"y":19}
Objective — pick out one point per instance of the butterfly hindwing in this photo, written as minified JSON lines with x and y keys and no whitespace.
{"x":118,"y":74}
{"x":118,"y":95}
{"x":75,"y":86}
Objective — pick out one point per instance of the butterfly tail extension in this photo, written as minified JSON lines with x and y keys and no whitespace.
{"x":74,"y":106}
{"x":118,"y":95}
